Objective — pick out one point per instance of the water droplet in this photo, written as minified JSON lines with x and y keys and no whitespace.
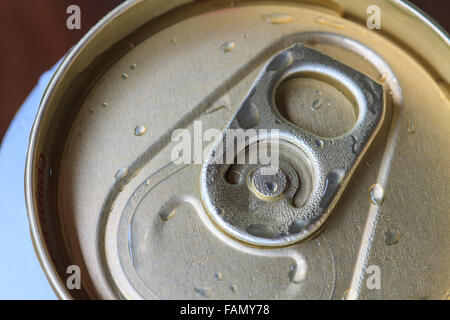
{"x":376,"y":194}
{"x":248,"y":116}
{"x":173,"y":40}
{"x":318,"y":92}
{"x":383,"y":77}
{"x":221,"y":211}
{"x":258,"y":230}
{"x":354,"y":144}
{"x":104,"y":104}
{"x":295,"y":276}
{"x":167,"y":215}
{"x":277,"y":18}
{"x":133,"y":66}
{"x":228,"y":46}
{"x":345,"y":294}
{"x":246,"y":36}
{"x":369,"y":163}
{"x":147,"y":182}
{"x":332,"y":183}
{"x":218,"y":276}
{"x":391,"y":236}
{"x":349,"y":294}
{"x":124,"y":76}
{"x":234,"y":177}
{"x":215,"y":109}
{"x":281,"y":61}
{"x":297,"y":226}
{"x":411,"y":127}
{"x":319,"y":143}
{"x":122,"y":172}
{"x":233,"y":288}
{"x":324,"y":21}
{"x":317,"y":104}
{"x":140,"y":130}
{"x":205,"y":292}
{"x":271,"y":187}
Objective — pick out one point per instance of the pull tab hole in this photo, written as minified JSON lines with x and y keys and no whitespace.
{"x":316,"y":106}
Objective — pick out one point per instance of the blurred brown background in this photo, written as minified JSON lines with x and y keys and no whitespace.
{"x":34,"y":37}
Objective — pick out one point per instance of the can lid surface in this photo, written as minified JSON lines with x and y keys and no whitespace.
{"x":109,"y":191}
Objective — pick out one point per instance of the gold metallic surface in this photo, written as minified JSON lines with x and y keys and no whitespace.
{"x":172,"y":63}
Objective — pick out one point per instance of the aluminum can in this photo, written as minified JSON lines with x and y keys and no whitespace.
{"x":355,"y":93}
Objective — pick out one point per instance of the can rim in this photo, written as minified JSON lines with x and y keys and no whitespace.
{"x":39,"y":246}
{"x":425,"y":18}
{"x":38,"y":242}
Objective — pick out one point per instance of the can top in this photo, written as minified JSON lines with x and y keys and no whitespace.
{"x":113,"y":189}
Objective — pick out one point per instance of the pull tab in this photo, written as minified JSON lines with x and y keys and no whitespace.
{"x":268,"y":182}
